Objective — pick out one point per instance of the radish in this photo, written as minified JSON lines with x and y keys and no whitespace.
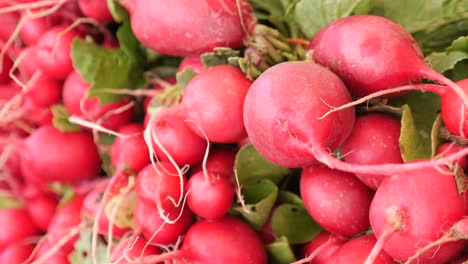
{"x":220,"y":161}
{"x":448,"y":148}
{"x":454,"y":113}
{"x":209,"y":197}
{"x":6,"y":64}
{"x":405,"y":216}
{"x":371,"y":53}
{"x":44,"y":91}
{"x":52,"y":255}
{"x":9,"y":22}
{"x":322,"y":247}
{"x":16,"y":253}
{"x":30,"y":60}
{"x":192,"y":28}
{"x":194,"y":63}
{"x":227,"y":240}
{"x":155,"y":229}
{"x":374,"y":140}
{"x":131,"y":251}
{"x":42,"y":209}
{"x":77,"y":103}
{"x":337,"y":200}
{"x":288,"y":131}
{"x":20,"y":226}
{"x":33,"y":29}
{"x":51,"y":155}
{"x":96,"y":9}
{"x":130,"y":151}
{"x":355,"y":252}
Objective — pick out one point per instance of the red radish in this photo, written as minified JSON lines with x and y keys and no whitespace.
{"x":192,"y":28}
{"x":74,"y":92}
{"x":405,"y":216}
{"x":371,"y":53}
{"x":355,"y":252}
{"x":9,"y":146}
{"x":96,"y":9}
{"x":194,"y":63}
{"x":42,"y":209}
{"x":266,"y":234}
{"x":454,"y":113}
{"x":9,"y":22}
{"x":130,"y":151}
{"x":16,"y":253}
{"x":289,"y":132}
{"x":448,"y":148}
{"x":214,"y":101}
{"x":52,"y":255}
{"x":227,"y":240}
{"x":33,"y":29}
{"x":158,"y":89}
{"x":54,"y":49}
{"x":64,"y":226}
{"x":20,"y":226}
{"x":129,"y":252}
{"x":337,"y":200}
{"x":220,"y":161}
{"x":38,"y":115}
{"x":44,"y":91}
{"x":155,"y":229}
{"x":178,"y":141}
{"x":160,"y":184}
{"x":51,"y":155}
{"x":209,"y":197}
{"x":374,"y":140}
{"x":322,"y":247}
{"x":6,"y":64}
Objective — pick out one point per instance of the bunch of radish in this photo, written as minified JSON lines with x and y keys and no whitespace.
{"x":155,"y":131}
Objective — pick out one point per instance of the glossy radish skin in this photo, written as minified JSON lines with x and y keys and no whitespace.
{"x":424,"y":205}
{"x":191,"y":29}
{"x":9,"y":22}
{"x":96,"y":9}
{"x":44,"y":91}
{"x":449,"y":148}
{"x":209,"y":198}
{"x":16,"y":253}
{"x":337,"y":200}
{"x":74,"y":89}
{"x":6,"y":63}
{"x":374,"y":140}
{"x":133,"y":251}
{"x":371,"y":53}
{"x":356,"y":251}
{"x":180,"y":142}
{"x":451,"y":111}
{"x":194,"y":63}
{"x":51,"y":155}
{"x":20,"y":226}
{"x":284,"y":131}
{"x":54,"y":52}
{"x":132,"y":151}
{"x":214,"y":101}
{"x":334,"y":243}
{"x":42,"y":208}
{"x":33,"y":29}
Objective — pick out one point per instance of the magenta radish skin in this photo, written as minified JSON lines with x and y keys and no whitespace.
{"x":193,"y":63}
{"x":44,"y":91}
{"x":191,"y":29}
{"x":214,"y":101}
{"x":451,"y":111}
{"x":356,"y":251}
{"x":20,"y":226}
{"x":134,"y":251}
{"x":374,"y":140}
{"x":132,"y":151}
{"x":450,"y":148}
{"x":33,"y":29}
{"x":16,"y":253}
{"x":335,"y":242}
{"x":336,"y":200}
{"x":424,"y":218}
{"x":96,"y":9}
{"x":41,"y":208}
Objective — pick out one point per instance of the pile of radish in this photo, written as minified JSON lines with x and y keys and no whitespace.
{"x":232,"y":131}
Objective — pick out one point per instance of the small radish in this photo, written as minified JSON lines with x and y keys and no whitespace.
{"x":20,"y":226}
{"x":33,"y":29}
{"x":371,"y":53}
{"x":16,"y":253}
{"x":448,"y":148}
{"x":96,"y":9}
{"x":130,"y":251}
{"x":374,"y":140}
{"x":289,"y":132}
{"x":77,"y":103}
{"x":9,"y":22}
{"x":130,"y":151}
{"x":355,"y":252}
{"x":337,"y":200}
{"x":220,"y":161}
{"x":194,"y":63}
{"x":51,"y":155}
{"x":321,"y":248}
{"x":191,"y":29}
{"x":6,"y":64}
{"x":44,"y":91}
{"x":410,"y":210}
{"x":454,"y":113}
{"x":227,"y":240}
{"x":209,"y":197}
{"x":48,"y":253}
{"x":42,"y":209}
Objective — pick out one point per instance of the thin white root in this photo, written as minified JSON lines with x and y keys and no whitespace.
{"x":240,"y":198}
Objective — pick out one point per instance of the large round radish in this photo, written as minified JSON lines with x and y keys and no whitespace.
{"x":374,"y":140}
{"x":412,"y":209}
{"x":337,"y":200}
{"x":192,"y":28}
{"x":130,"y":151}
{"x":51,"y":155}
{"x":356,"y":251}
{"x":227,"y":240}
{"x":18,"y":226}
{"x":75,"y":100}
{"x":372,"y":53}
{"x":96,"y":9}
{"x":454,"y":113}
{"x":290,"y":131}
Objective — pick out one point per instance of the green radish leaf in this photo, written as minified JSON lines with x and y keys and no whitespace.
{"x":260,"y":197}
{"x":435,"y":139}
{"x":280,"y":251}
{"x":294,"y":222}
{"x":184,"y":77}
{"x":60,"y":119}
{"x":8,"y":201}
{"x":419,"y":112}
{"x":453,"y":55}
{"x":219,"y":56}
{"x":250,"y":164}
{"x":459,"y":72}
{"x":312,"y":15}
{"x":117,"y":11}
{"x":82,"y":253}
{"x":289,"y":197}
